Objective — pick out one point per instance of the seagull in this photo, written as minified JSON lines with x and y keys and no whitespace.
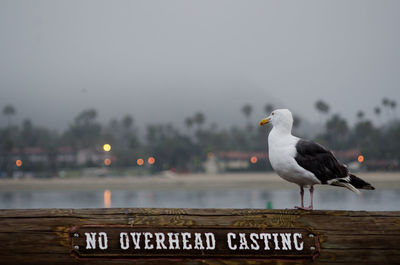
{"x":305,"y":162}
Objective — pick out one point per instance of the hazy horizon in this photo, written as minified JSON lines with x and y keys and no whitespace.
{"x":162,"y":61}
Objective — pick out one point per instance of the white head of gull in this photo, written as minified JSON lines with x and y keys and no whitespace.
{"x":304,"y":162}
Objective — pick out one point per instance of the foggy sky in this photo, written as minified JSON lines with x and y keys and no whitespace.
{"x":164,"y":60}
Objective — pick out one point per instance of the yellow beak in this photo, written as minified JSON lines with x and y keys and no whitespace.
{"x":264,"y":121}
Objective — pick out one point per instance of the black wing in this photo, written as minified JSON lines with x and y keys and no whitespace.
{"x":320,"y":161}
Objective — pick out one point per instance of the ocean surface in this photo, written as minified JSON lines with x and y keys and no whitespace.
{"x":324,"y":198}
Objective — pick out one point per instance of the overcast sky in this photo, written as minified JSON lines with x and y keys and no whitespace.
{"x":164,"y":60}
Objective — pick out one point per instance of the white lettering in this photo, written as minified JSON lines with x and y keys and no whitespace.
{"x":210,"y":240}
{"x":198,"y":242}
{"x":243,"y":241}
{"x":254,"y":245}
{"x":160,"y":240}
{"x":275,"y":235}
{"x":147,"y":237}
{"x":266,"y":236}
{"x":90,"y":240}
{"x":136,"y":239}
{"x":296,"y":244}
{"x":173,"y":241}
{"x":231,"y":236}
{"x":124,"y":240}
{"x":286,"y":242}
{"x":103,"y":241}
{"x":185,"y":240}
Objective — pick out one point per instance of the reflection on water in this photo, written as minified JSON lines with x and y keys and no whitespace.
{"x":378,"y":200}
{"x":107,"y":199}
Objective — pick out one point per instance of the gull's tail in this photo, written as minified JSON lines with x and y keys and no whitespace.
{"x":352,"y":183}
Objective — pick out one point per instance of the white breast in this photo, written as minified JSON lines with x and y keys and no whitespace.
{"x":282,"y":151}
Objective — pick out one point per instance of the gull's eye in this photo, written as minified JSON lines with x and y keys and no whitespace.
{"x":272,"y":114}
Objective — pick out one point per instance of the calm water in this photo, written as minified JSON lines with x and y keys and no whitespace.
{"x":378,"y":200}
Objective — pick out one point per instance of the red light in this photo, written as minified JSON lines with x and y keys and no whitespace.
{"x":140,"y":162}
{"x":151,"y":160}
{"x":253,"y":159}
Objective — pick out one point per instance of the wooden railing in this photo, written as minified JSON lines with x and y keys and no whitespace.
{"x":198,"y":236}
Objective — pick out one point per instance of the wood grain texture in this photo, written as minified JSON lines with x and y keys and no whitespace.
{"x":43,"y":236}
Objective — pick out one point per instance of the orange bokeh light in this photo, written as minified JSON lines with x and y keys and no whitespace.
{"x":151,"y":160}
{"x":18,"y":163}
{"x":107,"y":199}
{"x":107,"y":161}
{"x":360,"y":158}
{"x":140,"y":162}
{"x":253,"y":159}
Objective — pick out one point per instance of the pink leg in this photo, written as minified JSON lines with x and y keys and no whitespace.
{"x":311,"y":196}
{"x":302,"y":202}
{"x":301,"y":198}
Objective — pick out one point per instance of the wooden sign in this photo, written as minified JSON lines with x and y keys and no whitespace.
{"x":165,"y":242}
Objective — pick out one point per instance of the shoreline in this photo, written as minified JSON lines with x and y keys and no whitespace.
{"x":200,"y":181}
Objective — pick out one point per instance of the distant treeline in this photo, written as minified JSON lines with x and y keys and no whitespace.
{"x":41,"y":149}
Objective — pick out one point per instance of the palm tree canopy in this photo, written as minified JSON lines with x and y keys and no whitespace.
{"x":322,"y":106}
{"x":9,"y":110}
{"x":269,"y":108}
{"x":337,"y":125}
{"x":189,"y":122}
{"x":247,"y":110}
{"x":385,"y":101}
{"x":360,"y":114}
{"x":199,"y":118}
{"x":127,"y":121}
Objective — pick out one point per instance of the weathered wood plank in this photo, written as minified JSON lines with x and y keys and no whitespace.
{"x":43,"y":236}
{"x":90,"y":212}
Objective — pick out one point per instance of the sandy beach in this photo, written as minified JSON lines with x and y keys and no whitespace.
{"x":181,"y":181}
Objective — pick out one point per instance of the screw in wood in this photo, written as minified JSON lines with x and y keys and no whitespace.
{"x":311,"y":235}
{"x":312,"y":248}
{"x":76,"y":235}
{"x":76,"y":247}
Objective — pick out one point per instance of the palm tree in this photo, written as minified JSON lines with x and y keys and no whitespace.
{"x":337,"y":130}
{"x":247,"y":110}
{"x":199,"y":119}
{"x":393,"y":105}
{"x":386,"y":105}
{"x":189,"y":123}
{"x":127,"y":121}
{"x":377,"y":111}
{"x":85,"y":128}
{"x":269,"y":108}
{"x":385,"y":102}
{"x":86,"y":117}
{"x":296,"y":121}
{"x":9,"y":111}
{"x":322,"y":107}
{"x":360,"y":114}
